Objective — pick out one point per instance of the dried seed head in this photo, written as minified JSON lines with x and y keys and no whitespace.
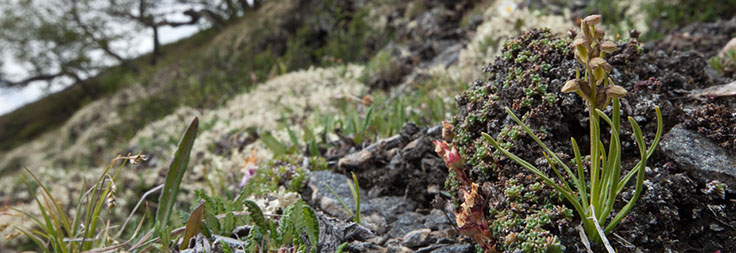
{"x":615,"y":91}
{"x":367,"y":100}
{"x":111,"y":202}
{"x":634,"y":34}
{"x":12,"y":236}
{"x":608,"y":47}
{"x":571,"y":86}
{"x":592,"y":20}
{"x":448,"y":131}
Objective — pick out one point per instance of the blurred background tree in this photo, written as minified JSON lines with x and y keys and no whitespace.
{"x":69,"y":41}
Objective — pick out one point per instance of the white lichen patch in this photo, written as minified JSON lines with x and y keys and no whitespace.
{"x":273,"y":202}
{"x":503,"y":20}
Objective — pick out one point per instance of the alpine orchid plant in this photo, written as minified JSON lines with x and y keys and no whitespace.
{"x":594,"y":199}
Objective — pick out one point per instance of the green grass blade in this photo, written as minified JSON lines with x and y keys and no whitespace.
{"x":608,"y":197}
{"x":175,"y":175}
{"x":356,"y":197}
{"x":60,"y":214}
{"x":650,"y":151}
{"x":568,"y":195}
{"x":552,"y":164}
{"x":35,"y":240}
{"x":595,"y":177}
{"x":531,"y":134}
{"x":582,"y":190}
{"x":639,"y":178}
{"x":276,"y":147}
{"x":292,"y":136}
{"x":338,"y":198}
{"x":53,"y":232}
{"x":78,"y":216}
{"x":367,"y":120}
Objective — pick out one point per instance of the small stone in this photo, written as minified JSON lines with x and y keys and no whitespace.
{"x":703,"y":159}
{"x":394,"y":246}
{"x":322,"y":197}
{"x":433,"y":189}
{"x":416,"y":238}
{"x":375,"y":222}
{"x":406,"y":223}
{"x":356,"y":246}
{"x":430,"y":248}
{"x":436,"y":220}
{"x":447,"y":236}
{"x":731,"y":45}
{"x":716,"y":227}
{"x":355,"y":231}
{"x":456,"y":248}
{"x":388,"y":207}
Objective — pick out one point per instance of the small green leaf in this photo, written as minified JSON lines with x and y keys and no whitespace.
{"x":176,"y":174}
{"x":255,"y":213}
{"x":305,"y":220}
{"x":341,"y":247}
{"x":193,"y":223}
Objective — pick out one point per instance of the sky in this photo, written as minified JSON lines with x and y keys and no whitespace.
{"x":10,"y":99}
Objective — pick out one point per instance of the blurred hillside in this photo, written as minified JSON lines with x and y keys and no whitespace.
{"x":290,"y":78}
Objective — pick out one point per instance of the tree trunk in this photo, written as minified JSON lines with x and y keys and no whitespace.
{"x":86,"y":87}
{"x":156,"y":46}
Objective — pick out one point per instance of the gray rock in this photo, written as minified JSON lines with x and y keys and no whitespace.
{"x":355,"y":231}
{"x":405,"y":223}
{"x":233,"y":243}
{"x":359,"y":161}
{"x":430,"y":248}
{"x":356,"y":246}
{"x":436,"y":220}
{"x":449,"y":56}
{"x":388,"y":207}
{"x":334,"y":232}
{"x":375,"y":222}
{"x":394,"y":246}
{"x":202,"y":244}
{"x":702,"y":158}
{"x":416,"y":238}
{"x":323,"y":198}
{"x":447,"y":236}
{"x":456,"y":248}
